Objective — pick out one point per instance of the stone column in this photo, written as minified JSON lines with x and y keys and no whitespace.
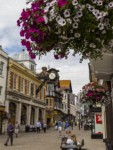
{"x":18,"y":112}
{"x":36,"y":114}
{"x":44,"y":115}
{"x":7,"y":106}
{"x":28,"y":114}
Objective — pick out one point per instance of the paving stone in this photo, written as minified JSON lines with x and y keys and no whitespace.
{"x":49,"y":141}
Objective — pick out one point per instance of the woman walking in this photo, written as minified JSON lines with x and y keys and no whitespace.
{"x":16,"y":129}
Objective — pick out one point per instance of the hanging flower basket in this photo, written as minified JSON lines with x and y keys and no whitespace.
{"x":93,"y":93}
{"x":85,"y":27}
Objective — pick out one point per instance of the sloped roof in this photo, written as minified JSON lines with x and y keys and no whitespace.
{"x":66,"y":84}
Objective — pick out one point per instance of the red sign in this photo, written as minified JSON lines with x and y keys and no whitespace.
{"x":98,"y":118}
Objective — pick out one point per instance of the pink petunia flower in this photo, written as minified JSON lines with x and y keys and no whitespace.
{"x":62,"y":3}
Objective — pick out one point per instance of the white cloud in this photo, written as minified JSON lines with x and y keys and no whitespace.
{"x":71,"y":69}
{"x":9,"y":14}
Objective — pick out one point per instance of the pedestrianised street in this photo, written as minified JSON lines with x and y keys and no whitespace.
{"x":49,"y":141}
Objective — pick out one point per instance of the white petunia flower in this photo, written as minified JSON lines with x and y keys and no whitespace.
{"x":75,"y":25}
{"x":100,"y":3}
{"x":52,"y":12}
{"x":46,"y":9}
{"x":58,"y":18}
{"x":62,"y":22}
{"x":97,"y":14}
{"x":110,"y":5}
{"x":74,"y":2}
{"x":101,"y":26}
{"x":67,"y":13}
{"x":77,"y":35}
{"x":79,"y":14}
{"x":91,"y":8}
{"x":75,"y":18}
{"x":48,"y":5}
{"x":53,"y":3}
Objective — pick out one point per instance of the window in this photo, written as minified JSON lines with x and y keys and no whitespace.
{"x":32,"y":67}
{"x":50,"y":87}
{"x":14,"y":82}
{"x":28,"y":87}
{"x":1,"y":67}
{"x":47,"y":101}
{"x":32,"y":89}
{"x":21,"y":85}
{"x":0,"y":91}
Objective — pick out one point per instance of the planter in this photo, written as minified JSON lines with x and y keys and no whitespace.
{"x":96,"y":136}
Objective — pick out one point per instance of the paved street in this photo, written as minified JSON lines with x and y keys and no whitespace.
{"x":49,"y":141}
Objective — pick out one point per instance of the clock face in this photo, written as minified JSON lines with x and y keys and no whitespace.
{"x":52,"y":76}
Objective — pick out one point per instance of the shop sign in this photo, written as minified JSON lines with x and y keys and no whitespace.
{"x":98,"y":118}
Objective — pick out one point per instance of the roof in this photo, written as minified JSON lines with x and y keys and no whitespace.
{"x":65,"y":84}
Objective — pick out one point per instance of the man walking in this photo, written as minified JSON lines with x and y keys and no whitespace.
{"x":38,"y":126}
{"x":10,"y":131}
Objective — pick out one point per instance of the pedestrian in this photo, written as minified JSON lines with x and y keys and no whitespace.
{"x":60,"y":127}
{"x":66,"y":126}
{"x":56,"y":125}
{"x":10,"y":131}
{"x":44,"y":127}
{"x":38,"y":126}
{"x":16,"y":128}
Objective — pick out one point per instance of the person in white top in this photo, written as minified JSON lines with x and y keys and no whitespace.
{"x":16,"y":128}
{"x":38,"y":126}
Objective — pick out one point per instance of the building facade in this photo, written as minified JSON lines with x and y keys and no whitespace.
{"x":3,"y":82}
{"x":102,"y":70}
{"x":22,"y":102}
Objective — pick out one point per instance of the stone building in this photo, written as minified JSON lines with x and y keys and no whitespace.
{"x":3,"y":81}
{"x":69,"y":108}
{"x":22,"y":103}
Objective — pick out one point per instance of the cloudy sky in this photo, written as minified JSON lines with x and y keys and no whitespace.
{"x":69,"y":69}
